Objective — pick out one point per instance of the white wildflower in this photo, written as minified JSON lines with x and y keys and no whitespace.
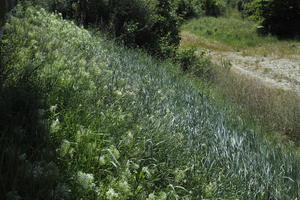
{"x":123,"y":187}
{"x":162,"y":196}
{"x":85,"y":180}
{"x":64,"y":148}
{"x":118,"y":93}
{"x":179,"y":175}
{"x":55,"y":126}
{"x":102,"y":160}
{"x":111,"y":194}
{"x":151,"y":197}
{"x":53,"y":108}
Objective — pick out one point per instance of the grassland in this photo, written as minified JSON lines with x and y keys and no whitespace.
{"x":233,"y":33}
{"x":87,"y":119}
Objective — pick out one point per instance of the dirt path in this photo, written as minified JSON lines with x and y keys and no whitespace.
{"x":282,"y":73}
{"x":279,"y":73}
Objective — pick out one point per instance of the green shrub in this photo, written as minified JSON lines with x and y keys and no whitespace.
{"x":194,"y":8}
{"x":165,"y":29}
{"x":197,"y":65}
{"x":188,"y":9}
{"x":213,"y":7}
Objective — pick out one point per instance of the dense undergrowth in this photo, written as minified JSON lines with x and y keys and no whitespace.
{"x":97,"y":121}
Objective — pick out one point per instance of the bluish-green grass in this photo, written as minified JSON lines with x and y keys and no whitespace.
{"x":127,"y":127}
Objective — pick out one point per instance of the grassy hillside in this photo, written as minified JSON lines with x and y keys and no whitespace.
{"x":85,"y":118}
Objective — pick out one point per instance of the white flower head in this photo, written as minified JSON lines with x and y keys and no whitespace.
{"x":124,"y":187}
{"x":55,"y":126}
{"x":179,"y":175}
{"x":64,"y":148}
{"x":118,"y":93}
{"x":111,"y":194}
{"x":162,"y":196}
{"x":151,"y":197}
{"x":85,"y":180}
{"x":102,"y":160}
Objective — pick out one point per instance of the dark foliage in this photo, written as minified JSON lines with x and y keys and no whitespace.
{"x":279,"y":17}
{"x":151,"y":25}
{"x":27,"y":167}
{"x":197,"y":65}
{"x":213,"y":7}
{"x":186,"y":9}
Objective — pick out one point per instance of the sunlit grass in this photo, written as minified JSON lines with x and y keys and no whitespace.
{"x":127,"y":127}
{"x":237,"y":34}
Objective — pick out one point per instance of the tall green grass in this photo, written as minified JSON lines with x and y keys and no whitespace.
{"x":231,"y":30}
{"x":127,"y":127}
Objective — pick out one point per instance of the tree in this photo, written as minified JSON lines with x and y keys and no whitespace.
{"x":281,"y":17}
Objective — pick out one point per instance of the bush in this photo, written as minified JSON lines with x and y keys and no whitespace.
{"x":191,"y":63}
{"x":165,"y":29}
{"x":188,"y":9}
{"x":195,"y":8}
{"x":214,"y":7}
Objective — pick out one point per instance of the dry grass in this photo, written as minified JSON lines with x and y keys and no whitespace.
{"x":276,"y":108}
{"x":192,"y":40}
{"x":280,"y":49}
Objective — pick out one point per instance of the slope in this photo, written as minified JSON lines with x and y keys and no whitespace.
{"x":122,"y":125}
